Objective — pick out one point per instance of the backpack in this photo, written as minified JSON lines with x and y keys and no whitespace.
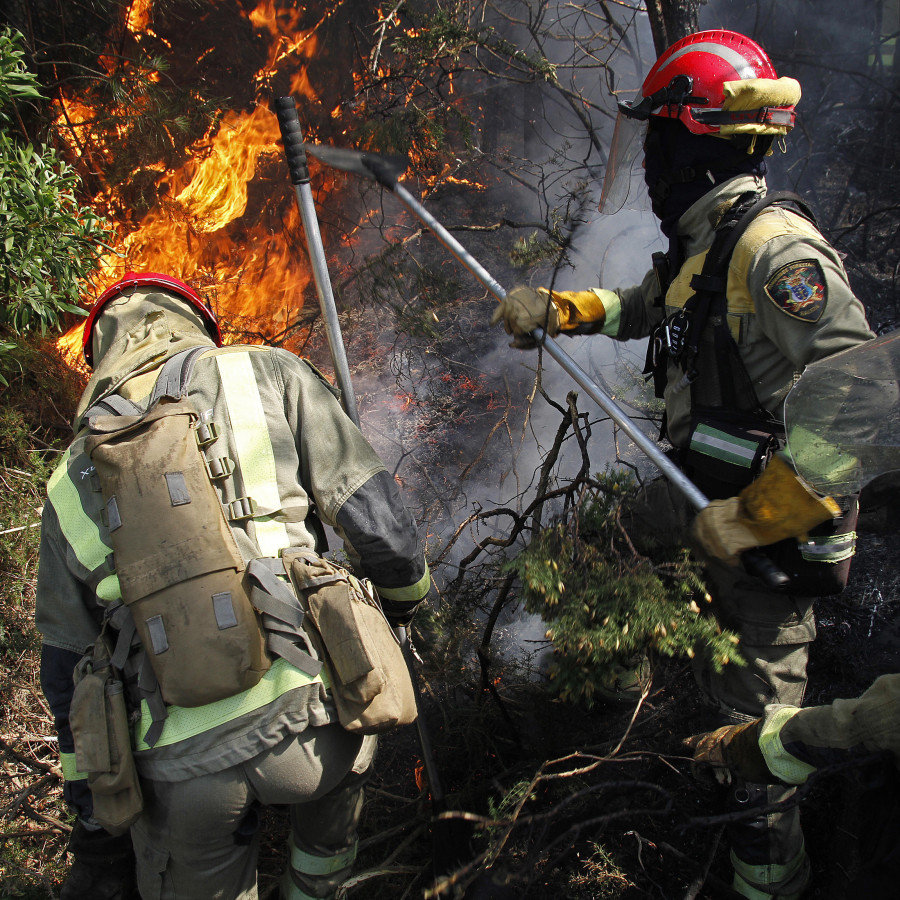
{"x":207,"y":622}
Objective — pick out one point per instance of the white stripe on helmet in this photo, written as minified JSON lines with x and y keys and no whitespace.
{"x":742,"y":67}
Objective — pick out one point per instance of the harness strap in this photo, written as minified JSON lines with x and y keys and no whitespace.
{"x":171,"y":383}
{"x":282,"y":616}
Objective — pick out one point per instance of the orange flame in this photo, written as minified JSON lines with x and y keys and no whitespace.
{"x":240,"y":254}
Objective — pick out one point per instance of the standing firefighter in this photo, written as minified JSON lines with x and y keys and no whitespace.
{"x":201,"y":697}
{"x":747,"y":295}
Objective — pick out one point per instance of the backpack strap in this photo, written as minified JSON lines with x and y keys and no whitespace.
{"x":175,"y":375}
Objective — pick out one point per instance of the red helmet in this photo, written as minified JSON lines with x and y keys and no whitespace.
{"x":166,"y":283}
{"x":687,"y":83}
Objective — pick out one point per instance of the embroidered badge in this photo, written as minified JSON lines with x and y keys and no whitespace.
{"x":799,"y":289}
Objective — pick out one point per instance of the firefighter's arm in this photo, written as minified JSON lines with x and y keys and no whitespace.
{"x":787,"y":744}
{"x":67,"y":628}
{"x":778,"y":505}
{"x":380,"y":531}
{"x":358,"y":497}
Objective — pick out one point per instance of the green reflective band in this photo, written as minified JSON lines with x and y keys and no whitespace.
{"x":109,"y":589}
{"x":830,"y":548}
{"x":612,"y":307}
{"x":780,"y":763}
{"x":712,"y":442}
{"x":253,"y":446}
{"x":183,"y":723}
{"x":80,"y":530}
{"x":412,"y":594}
{"x":70,"y":767}
{"x":753,"y":876}
{"x":309,"y":864}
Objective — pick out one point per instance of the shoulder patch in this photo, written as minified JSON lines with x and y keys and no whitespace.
{"x":799,"y":290}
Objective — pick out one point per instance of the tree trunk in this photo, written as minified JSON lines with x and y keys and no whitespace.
{"x":671,"y":20}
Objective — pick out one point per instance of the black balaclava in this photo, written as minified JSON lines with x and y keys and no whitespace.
{"x":680,"y":166}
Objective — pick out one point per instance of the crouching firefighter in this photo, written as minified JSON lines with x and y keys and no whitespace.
{"x":748,"y":294}
{"x":186,"y":654}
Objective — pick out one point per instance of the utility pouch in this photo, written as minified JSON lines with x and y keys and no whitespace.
{"x":180,"y":570}
{"x":99,"y":722}
{"x":724,"y":456}
{"x":370,"y":680}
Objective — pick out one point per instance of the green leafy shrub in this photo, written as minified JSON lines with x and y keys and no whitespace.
{"x":50,"y":242}
{"x":603,"y":602}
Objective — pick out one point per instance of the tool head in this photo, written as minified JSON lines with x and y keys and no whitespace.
{"x":383,"y":168}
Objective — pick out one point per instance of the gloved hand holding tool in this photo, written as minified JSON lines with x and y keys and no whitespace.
{"x":778,"y":505}
{"x":729,"y":752}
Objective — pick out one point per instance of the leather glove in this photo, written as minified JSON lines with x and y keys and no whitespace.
{"x":524,"y":309}
{"x":778,"y":505}
{"x":730,"y":752}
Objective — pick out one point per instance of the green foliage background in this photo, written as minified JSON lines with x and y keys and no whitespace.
{"x":51,"y":243}
{"x":604,"y":603}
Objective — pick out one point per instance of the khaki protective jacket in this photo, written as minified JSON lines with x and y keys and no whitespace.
{"x":795,"y":742}
{"x":789,"y":301}
{"x":300,"y":459}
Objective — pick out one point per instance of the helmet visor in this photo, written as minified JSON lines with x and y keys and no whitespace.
{"x":623,"y":182}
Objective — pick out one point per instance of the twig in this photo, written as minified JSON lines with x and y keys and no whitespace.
{"x":20,"y":528}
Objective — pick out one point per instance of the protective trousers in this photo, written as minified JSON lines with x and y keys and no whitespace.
{"x":775,"y":631}
{"x":198,"y":838}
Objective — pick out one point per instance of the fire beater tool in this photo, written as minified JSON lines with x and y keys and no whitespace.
{"x":451,"y":836}
{"x":386,"y":170}
{"x":292,"y":136}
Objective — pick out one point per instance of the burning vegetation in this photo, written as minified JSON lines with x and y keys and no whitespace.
{"x":164,"y":108}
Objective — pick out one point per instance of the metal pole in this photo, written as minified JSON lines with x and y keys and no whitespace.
{"x":289,"y":122}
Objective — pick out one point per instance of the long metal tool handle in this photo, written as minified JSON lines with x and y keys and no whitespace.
{"x":755,"y":561}
{"x":289,"y":123}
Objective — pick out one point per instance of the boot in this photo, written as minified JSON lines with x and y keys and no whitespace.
{"x":103,"y":866}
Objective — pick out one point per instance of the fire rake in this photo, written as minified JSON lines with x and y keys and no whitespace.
{"x":386,"y":170}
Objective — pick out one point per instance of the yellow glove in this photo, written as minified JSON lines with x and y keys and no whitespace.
{"x":578,"y":308}
{"x":778,"y":505}
{"x":524,"y":309}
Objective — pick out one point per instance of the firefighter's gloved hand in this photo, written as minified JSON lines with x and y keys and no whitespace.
{"x":581,"y":308}
{"x":524,"y":309}
{"x":729,"y":752}
{"x":103,"y":866}
{"x":778,"y":505}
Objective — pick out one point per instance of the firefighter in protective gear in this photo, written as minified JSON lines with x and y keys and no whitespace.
{"x":709,"y":111}
{"x":296,"y":455}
